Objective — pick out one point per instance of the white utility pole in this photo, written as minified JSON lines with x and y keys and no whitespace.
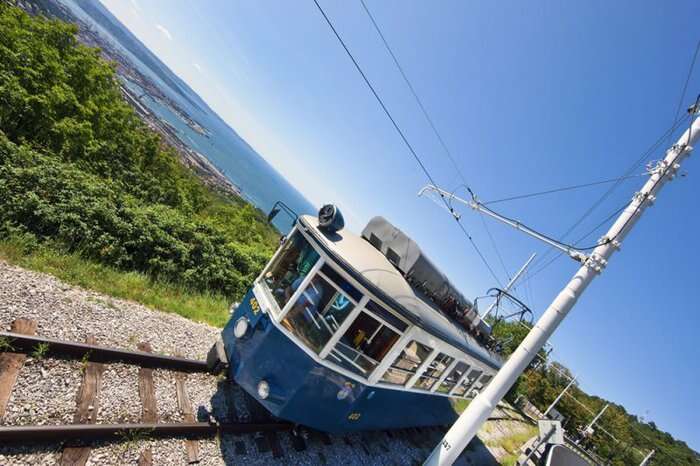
{"x":510,"y":284}
{"x":646,"y":460}
{"x":589,"y":427}
{"x":478,"y":411}
{"x":556,"y":400}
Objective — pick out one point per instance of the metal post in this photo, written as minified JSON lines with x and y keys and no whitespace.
{"x":646,"y":460}
{"x":478,"y":411}
{"x":510,"y":284}
{"x":556,"y":400}
{"x":595,"y":419}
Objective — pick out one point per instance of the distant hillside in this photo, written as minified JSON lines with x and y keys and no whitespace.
{"x":104,"y":18}
{"x":620,"y":439}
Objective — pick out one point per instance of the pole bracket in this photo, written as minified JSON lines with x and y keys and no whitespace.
{"x":596,"y":262}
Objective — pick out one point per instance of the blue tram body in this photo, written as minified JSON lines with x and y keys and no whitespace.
{"x":305,"y":392}
{"x":343,"y":333}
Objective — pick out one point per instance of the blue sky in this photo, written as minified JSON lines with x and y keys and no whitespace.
{"x":527,"y":97}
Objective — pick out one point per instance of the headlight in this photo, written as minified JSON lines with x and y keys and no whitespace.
{"x":241,"y":327}
{"x":263,"y":389}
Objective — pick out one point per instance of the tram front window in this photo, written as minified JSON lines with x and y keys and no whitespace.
{"x":289,"y":268}
{"x":407,"y":363}
{"x":363,"y":345}
{"x":435,"y":369}
{"x":317,"y":313}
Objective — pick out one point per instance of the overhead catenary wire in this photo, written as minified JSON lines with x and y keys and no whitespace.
{"x":414,"y":93}
{"x":402,"y":135}
{"x":687,"y":81}
{"x":644,"y":157}
{"x":434,"y":129}
{"x":561,"y":189}
{"x":638,"y":162}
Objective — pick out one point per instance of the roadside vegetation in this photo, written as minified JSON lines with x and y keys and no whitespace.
{"x":89,"y":193}
{"x":634,"y":437}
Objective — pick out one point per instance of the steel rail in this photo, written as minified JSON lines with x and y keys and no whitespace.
{"x":116,"y":432}
{"x":26,"y":344}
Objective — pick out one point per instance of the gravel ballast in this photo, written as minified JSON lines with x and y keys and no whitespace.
{"x":46,"y":389}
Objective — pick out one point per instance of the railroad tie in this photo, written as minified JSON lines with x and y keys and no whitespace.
{"x":147,"y":393}
{"x":147,"y":390}
{"x":297,"y":439}
{"x":11,"y":363}
{"x":264,"y":441}
{"x":146,"y":458}
{"x":87,"y":408}
{"x":183,"y":402}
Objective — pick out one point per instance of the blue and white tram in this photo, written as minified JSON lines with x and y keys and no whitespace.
{"x":339,"y":334}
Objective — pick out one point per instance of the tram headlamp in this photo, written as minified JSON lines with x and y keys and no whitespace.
{"x":263,"y":389}
{"x":241,"y":327}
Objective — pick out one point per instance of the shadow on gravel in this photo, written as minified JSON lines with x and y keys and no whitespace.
{"x":23,"y":450}
{"x":476,"y":453}
{"x":397,"y":447}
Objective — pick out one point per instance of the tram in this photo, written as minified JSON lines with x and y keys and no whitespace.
{"x":344,"y":332}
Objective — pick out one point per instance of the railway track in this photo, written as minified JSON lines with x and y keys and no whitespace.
{"x":21,"y":341}
{"x":76,"y":437}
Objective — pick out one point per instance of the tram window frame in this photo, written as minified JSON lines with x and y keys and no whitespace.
{"x":468,"y":382}
{"x":279,"y":308}
{"x":427,"y":352}
{"x":292,"y":324}
{"x":431,"y":375}
{"x":335,"y":356}
{"x":461,"y":368}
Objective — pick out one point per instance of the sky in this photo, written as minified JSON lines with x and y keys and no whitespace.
{"x":527,"y":97}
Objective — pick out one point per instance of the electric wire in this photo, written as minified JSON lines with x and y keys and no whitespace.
{"x":562,"y":189}
{"x":401,"y":134}
{"x":645,"y":155}
{"x":413,"y":92}
{"x":687,"y":81}
{"x":432,"y":126}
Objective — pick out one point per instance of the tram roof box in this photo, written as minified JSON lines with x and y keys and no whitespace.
{"x":414,"y":265}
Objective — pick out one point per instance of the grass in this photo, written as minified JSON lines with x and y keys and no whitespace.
{"x":5,"y":344}
{"x":460,"y":404}
{"x":40,"y":351}
{"x":512,"y":444}
{"x":73,"y":269}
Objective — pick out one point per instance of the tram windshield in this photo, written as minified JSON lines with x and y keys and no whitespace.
{"x":363,"y":345}
{"x":287,"y":271}
{"x":407,"y":363}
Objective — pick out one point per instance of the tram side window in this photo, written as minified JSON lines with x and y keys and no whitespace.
{"x":468,"y":382}
{"x":453,"y":377}
{"x":407,"y":363}
{"x":484,"y":381}
{"x":363,"y":345}
{"x":435,"y":369}
{"x":289,"y":268}
{"x":317,"y":313}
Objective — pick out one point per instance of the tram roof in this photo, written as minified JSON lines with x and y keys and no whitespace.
{"x":371,"y":268}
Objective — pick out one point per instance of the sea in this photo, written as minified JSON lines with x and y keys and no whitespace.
{"x":259,"y":182}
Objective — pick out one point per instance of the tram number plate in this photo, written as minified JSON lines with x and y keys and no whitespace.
{"x":446,"y":445}
{"x":254,"y":305}
{"x":354,"y":416}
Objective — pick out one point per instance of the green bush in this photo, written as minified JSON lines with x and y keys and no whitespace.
{"x":80,"y":171}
